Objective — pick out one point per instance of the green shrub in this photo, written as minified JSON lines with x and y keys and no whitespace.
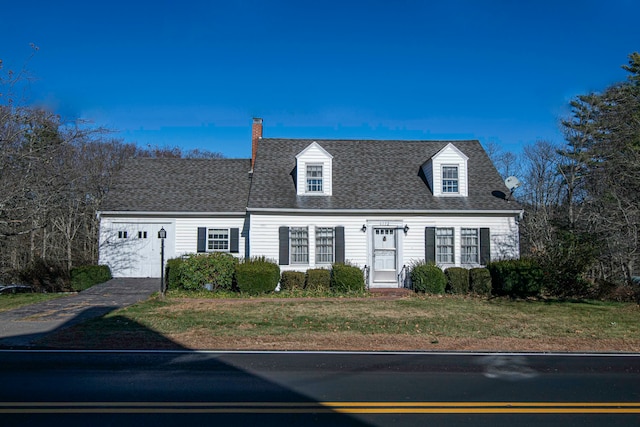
{"x":85,"y":276}
{"x":516,"y":278}
{"x":292,"y":280}
{"x":428,"y":277}
{"x":318,"y":279}
{"x":480,"y":281}
{"x":215,"y":268}
{"x":346,"y":278}
{"x":257,"y":275}
{"x":173,"y":273}
{"x":457,"y":280}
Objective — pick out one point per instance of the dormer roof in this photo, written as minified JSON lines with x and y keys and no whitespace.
{"x":314,"y":146}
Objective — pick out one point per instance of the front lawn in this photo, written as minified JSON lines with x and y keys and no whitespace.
{"x":409,"y":323}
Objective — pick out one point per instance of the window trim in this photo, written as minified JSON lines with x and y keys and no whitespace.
{"x":314,"y":182}
{"x":439,"y":245}
{"x":464,"y":255}
{"x":450,"y":182}
{"x":330,"y":245}
{"x":210,"y":241}
{"x":299,"y":242}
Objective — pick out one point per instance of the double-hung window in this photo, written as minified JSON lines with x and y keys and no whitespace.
{"x":444,"y":245}
{"x":218,"y":239}
{"x":324,"y":245}
{"x":314,"y":179}
{"x":469,"y":246}
{"x":450,"y":179}
{"x":299,"y":245}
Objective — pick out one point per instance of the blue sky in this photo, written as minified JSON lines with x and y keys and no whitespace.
{"x":193,"y":73}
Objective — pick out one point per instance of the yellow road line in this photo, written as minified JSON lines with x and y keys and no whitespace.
{"x":324,"y":407}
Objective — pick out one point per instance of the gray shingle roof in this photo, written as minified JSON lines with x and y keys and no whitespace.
{"x":372,"y":175}
{"x":181,"y":185}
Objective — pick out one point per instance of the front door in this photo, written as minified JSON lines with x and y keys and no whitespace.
{"x":385,"y":255}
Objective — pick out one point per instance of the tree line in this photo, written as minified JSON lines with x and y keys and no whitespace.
{"x":582,"y":196}
{"x":54,"y":176}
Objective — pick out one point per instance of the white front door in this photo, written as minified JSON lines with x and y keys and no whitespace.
{"x":385,"y":256}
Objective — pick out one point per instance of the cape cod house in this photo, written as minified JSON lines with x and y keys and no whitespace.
{"x":309,"y":203}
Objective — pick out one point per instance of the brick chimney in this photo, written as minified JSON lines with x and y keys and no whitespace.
{"x":256,"y":136}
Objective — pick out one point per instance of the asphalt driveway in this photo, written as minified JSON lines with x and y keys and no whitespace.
{"x":23,"y":326}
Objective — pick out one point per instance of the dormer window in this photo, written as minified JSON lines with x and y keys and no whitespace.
{"x":446,"y":172}
{"x":314,"y":179}
{"x":450,"y":179}
{"x":314,"y":171}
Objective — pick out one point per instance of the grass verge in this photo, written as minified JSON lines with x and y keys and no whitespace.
{"x":436,"y":323}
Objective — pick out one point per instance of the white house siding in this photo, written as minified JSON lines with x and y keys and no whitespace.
{"x":187,"y":232}
{"x":134,"y":257}
{"x":139,"y":253}
{"x":264,"y":234}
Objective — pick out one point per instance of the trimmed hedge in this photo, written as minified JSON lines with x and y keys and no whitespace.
{"x":428,"y":278}
{"x":346,"y":278}
{"x":216,"y":268}
{"x":480,"y":281}
{"x":457,"y":280}
{"x":516,"y":278}
{"x":257,"y":275}
{"x":292,"y":280}
{"x":318,"y":279}
{"x":84,"y":277}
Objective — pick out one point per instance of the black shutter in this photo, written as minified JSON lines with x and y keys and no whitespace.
{"x":283,"y":253}
{"x":234,"y":240}
{"x":202,"y":239}
{"x":339,"y":243}
{"x":485,"y":246}
{"x":430,"y":244}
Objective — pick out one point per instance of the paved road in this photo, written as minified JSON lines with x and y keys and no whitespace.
{"x":379,"y":389}
{"x":23,"y":326}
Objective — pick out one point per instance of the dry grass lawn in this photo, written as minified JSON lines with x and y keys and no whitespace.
{"x":367,"y":324}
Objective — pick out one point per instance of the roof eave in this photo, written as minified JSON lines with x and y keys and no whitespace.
{"x":392,"y":211}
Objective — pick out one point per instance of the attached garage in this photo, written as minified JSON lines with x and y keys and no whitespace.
{"x":200,"y":203}
{"x":132,"y":248}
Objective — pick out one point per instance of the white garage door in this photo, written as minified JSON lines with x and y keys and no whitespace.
{"x":133,"y":249}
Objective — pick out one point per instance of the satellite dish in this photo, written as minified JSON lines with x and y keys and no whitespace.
{"x":512,"y":183}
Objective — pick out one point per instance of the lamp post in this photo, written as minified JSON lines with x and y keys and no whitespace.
{"x":162,"y":234}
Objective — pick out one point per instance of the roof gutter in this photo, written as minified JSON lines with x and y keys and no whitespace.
{"x":170,"y":214}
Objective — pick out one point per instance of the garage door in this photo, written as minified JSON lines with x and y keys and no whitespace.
{"x":133,"y":249}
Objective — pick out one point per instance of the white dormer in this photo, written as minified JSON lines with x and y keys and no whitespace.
{"x":314,"y":171}
{"x":446,"y":172}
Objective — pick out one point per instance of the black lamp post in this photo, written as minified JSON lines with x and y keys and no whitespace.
{"x":162,"y":234}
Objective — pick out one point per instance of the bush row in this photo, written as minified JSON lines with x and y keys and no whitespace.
{"x":50,"y":276}
{"x":222,"y":271}
{"x":515,"y":278}
{"x":429,"y":278}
